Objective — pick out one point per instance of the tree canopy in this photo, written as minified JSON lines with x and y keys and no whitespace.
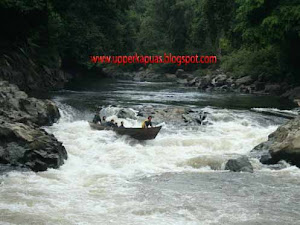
{"x":250,"y":37}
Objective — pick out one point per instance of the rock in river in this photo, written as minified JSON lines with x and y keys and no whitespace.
{"x":22,"y":142}
{"x":283,"y":144}
{"x":241,"y":164}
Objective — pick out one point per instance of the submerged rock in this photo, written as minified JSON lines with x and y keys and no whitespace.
{"x":283,"y":144}
{"x":22,"y":142}
{"x":241,"y":164}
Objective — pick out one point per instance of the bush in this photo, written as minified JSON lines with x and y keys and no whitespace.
{"x":244,"y":62}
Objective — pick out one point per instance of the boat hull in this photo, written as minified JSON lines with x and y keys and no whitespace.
{"x":136,"y":133}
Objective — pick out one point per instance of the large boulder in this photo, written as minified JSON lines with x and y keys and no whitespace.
{"x":244,"y":81}
{"x":193,"y":82}
{"x":241,"y":164}
{"x":22,"y":142}
{"x":18,"y":107}
{"x":283,"y":144}
{"x":170,"y":76}
{"x":205,"y":82}
{"x":29,"y":146}
{"x":219,"y":80}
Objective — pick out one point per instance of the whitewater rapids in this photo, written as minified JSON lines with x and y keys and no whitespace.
{"x":178,"y":178}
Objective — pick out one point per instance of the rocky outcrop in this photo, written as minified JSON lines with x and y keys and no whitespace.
{"x":21,"y":68}
{"x":283,"y":144}
{"x":241,"y":164}
{"x":22,"y":142}
{"x":18,"y":107}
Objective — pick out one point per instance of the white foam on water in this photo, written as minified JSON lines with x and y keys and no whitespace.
{"x":96,"y":185}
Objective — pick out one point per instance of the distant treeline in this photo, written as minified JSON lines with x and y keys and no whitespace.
{"x":250,"y":37}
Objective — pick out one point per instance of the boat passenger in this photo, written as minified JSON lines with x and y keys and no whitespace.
{"x":147,"y":122}
{"x":116,"y":124}
{"x":96,"y":118}
{"x":103,"y":119}
{"x":122,"y":125}
{"x":110,"y":123}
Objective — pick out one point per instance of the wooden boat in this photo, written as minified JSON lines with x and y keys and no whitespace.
{"x":136,"y":133}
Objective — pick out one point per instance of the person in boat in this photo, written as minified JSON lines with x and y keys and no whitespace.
{"x":147,"y":122}
{"x":103,"y":119}
{"x":122,"y":125}
{"x":96,"y":118}
{"x":116,"y":124}
{"x":110,"y":123}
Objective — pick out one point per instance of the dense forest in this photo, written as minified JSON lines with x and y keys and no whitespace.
{"x":250,"y":37}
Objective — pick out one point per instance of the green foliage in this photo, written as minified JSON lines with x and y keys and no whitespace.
{"x":264,"y":23}
{"x":244,"y":62}
{"x":251,"y":37}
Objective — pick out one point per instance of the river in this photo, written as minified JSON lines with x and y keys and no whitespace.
{"x":178,"y":178}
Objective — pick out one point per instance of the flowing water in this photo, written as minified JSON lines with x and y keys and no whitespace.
{"x":178,"y":178}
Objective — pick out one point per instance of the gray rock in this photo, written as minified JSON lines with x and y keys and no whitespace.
{"x":182,"y":81}
{"x":205,"y":82}
{"x":245,"y":89}
{"x":22,"y":143}
{"x":30,"y":146}
{"x":244,"y":80}
{"x":170,"y":76}
{"x":179,"y":73}
{"x":229,"y":81}
{"x":18,"y":107}
{"x":219,"y":80}
{"x":189,"y":77}
{"x":241,"y":164}
{"x":193,"y":81}
{"x":283,"y":144}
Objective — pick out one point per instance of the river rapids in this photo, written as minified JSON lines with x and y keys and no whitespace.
{"x":178,"y":178}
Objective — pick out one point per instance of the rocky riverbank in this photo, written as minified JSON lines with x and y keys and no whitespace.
{"x":217,"y":81}
{"x":22,"y":141}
